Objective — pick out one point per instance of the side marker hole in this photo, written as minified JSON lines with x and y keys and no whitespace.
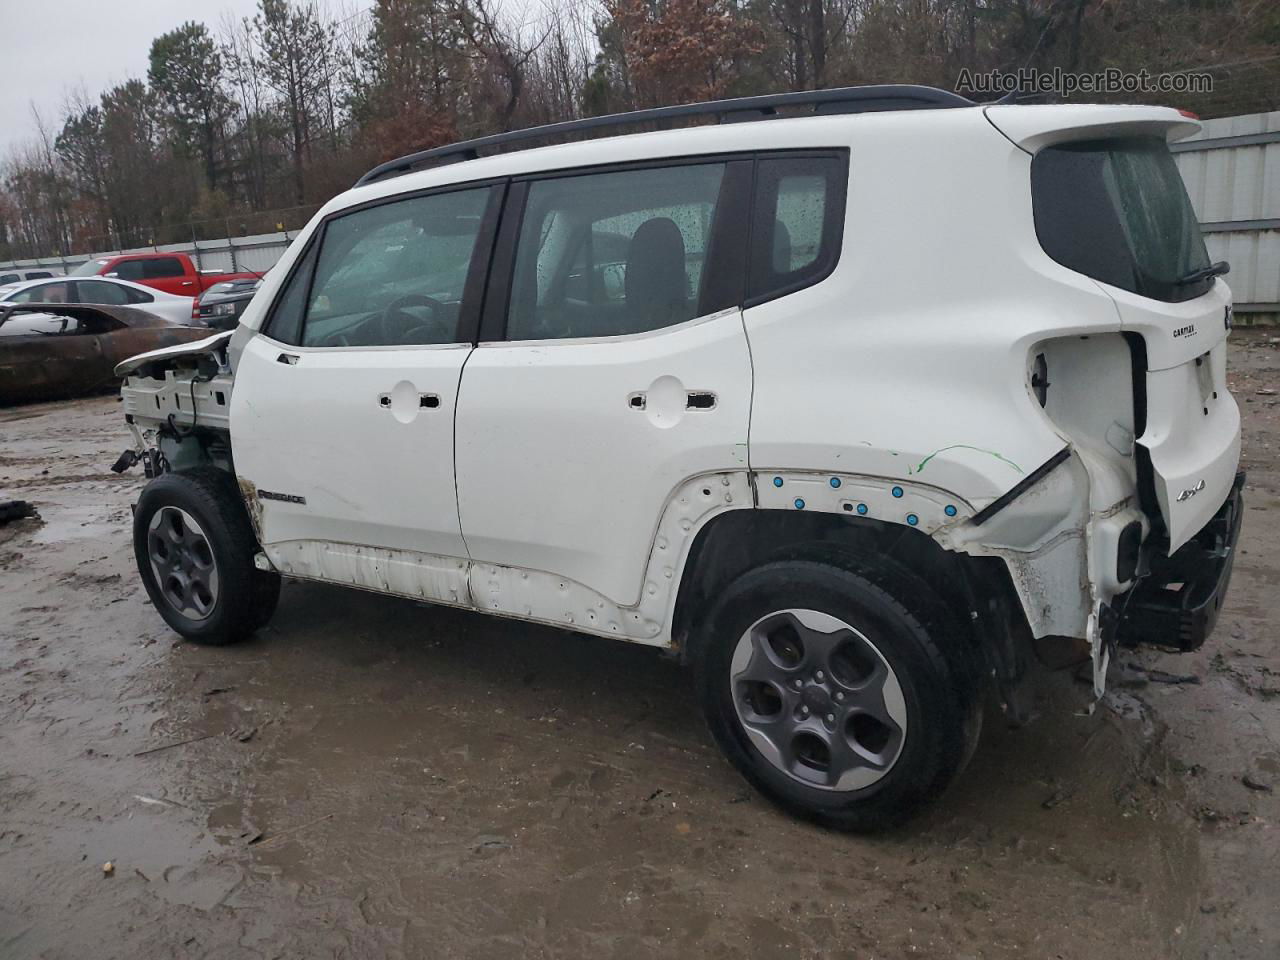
{"x":799,"y":504}
{"x":897,"y":491}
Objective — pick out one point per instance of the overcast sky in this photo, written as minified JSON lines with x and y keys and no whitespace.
{"x":56,"y":46}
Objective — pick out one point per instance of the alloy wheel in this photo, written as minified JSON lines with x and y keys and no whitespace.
{"x":818,"y":700}
{"x":183,"y":563}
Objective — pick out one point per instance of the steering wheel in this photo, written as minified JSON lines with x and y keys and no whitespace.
{"x":395,"y":325}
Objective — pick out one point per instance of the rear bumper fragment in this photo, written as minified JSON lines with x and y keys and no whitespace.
{"x":1177,"y":604}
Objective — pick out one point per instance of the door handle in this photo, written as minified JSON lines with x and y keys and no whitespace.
{"x":694,"y":400}
{"x":700,"y":400}
{"x":188,"y":283}
{"x":429,"y":401}
{"x":289,"y":358}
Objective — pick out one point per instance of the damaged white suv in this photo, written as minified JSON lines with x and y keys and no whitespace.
{"x":844,"y":409}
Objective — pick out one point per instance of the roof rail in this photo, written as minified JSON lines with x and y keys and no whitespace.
{"x":897,"y":96}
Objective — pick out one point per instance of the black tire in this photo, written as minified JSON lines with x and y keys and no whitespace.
{"x":914,"y":634}
{"x":203,"y":503}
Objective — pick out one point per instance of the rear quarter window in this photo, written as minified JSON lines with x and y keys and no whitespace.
{"x":797,"y":224}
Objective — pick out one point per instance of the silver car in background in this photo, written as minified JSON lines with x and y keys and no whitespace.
{"x":103,"y":291}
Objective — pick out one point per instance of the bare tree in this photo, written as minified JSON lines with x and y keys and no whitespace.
{"x":292,"y":48}
{"x":500,"y":51}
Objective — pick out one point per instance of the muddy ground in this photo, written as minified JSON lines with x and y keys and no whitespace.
{"x":371,"y":777}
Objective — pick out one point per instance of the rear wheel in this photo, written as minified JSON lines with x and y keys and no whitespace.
{"x":833,"y":697}
{"x":195,"y":552}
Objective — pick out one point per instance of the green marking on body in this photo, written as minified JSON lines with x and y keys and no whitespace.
{"x":964,"y":446}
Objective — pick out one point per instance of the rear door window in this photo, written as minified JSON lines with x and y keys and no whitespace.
{"x":608,"y":254}
{"x":159,"y":268}
{"x":1117,"y":211}
{"x":101,"y":291}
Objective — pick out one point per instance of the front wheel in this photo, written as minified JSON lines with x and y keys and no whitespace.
{"x":831,"y":696}
{"x":195,"y":552}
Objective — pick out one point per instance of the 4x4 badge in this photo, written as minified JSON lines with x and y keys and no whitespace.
{"x":1190,"y":492}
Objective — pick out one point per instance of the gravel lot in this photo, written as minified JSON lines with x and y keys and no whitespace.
{"x":370,"y":777}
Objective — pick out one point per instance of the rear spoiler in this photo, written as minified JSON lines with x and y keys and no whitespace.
{"x":1034,"y":127}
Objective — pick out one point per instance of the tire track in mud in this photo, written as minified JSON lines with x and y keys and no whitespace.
{"x":54,"y":480}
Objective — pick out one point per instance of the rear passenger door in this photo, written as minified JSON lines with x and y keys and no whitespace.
{"x":343,"y":410}
{"x":612,"y":368}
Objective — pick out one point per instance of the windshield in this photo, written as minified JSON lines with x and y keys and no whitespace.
{"x":89,"y":269}
{"x":1117,"y":211}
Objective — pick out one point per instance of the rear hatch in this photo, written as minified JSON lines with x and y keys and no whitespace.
{"x":1109,"y":203}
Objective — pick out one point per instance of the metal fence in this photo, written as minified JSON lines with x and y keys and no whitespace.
{"x":257,"y":253}
{"x":1232,"y":171}
{"x":250,"y":240}
{"x":245,"y":223}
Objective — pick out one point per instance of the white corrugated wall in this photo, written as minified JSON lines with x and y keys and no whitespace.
{"x":1232,"y":171}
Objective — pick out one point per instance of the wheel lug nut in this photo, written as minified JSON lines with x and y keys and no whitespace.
{"x":839,"y":695}
{"x":805,"y":711}
{"x":799,"y":683}
{"x":831,"y":718}
{"x":819,"y":676}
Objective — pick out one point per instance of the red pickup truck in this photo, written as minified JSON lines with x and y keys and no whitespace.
{"x":171,"y":272}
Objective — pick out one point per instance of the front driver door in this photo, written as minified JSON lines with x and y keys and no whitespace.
{"x":343,"y":407}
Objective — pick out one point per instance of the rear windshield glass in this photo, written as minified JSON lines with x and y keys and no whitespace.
{"x":88,"y":269}
{"x":1117,"y":211}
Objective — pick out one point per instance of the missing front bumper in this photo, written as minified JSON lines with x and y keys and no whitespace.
{"x":1177,"y":604}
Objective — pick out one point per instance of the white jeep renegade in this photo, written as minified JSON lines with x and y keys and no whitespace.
{"x":844,"y":409}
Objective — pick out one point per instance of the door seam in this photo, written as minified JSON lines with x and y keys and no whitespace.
{"x":457,"y":496}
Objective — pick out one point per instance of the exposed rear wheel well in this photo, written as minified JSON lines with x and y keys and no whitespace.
{"x":977,"y":591}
